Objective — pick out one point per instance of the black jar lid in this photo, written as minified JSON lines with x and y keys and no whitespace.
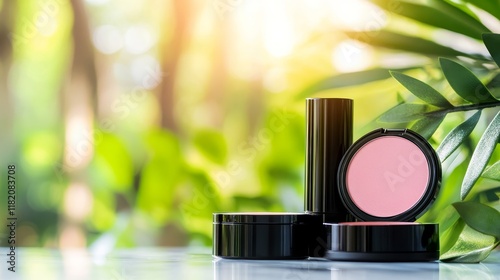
{"x":264,"y":218}
{"x":382,"y":241}
{"x":389,"y":175}
{"x":265,"y":236}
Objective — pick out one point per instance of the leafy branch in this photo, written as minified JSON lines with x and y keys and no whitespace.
{"x":470,"y":89}
{"x":431,"y":114}
{"x":464,"y":108}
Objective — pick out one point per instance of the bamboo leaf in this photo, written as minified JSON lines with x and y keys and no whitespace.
{"x":427,"y":126}
{"x":404,"y":113}
{"x":480,"y":217}
{"x":481,"y":155}
{"x":490,"y":6}
{"x":457,"y":136}
{"x":492,"y":43}
{"x":349,"y":79}
{"x":493,"y":172}
{"x":437,"y":13}
{"x":392,"y":40}
{"x":464,"y":82}
{"x":422,"y":90}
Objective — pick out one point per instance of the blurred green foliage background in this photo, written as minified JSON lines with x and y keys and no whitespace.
{"x":131,"y":122}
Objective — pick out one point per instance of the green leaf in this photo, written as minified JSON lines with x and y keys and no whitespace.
{"x":437,"y":13}
{"x":481,"y":155}
{"x":422,"y":90}
{"x":160,"y":176}
{"x":457,"y":136}
{"x":465,"y":83}
{"x":211,"y":144}
{"x":492,"y":82}
{"x":492,"y":43}
{"x":404,"y":113}
{"x":490,"y":6}
{"x":392,"y":40}
{"x":471,"y":247}
{"x":492,"y":195}
{"x":493,"y":172}
{"x":480,"y":217}
{"x":349,"y":79}
{"x":428,"y":125}
{"x":206,"y":193}
{"x":112,"y":165}
{"x":450,"y":237}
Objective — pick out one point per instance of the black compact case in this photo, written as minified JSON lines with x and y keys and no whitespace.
{"x":382,"y":242}
{"x":386,"y":238}
{"x":264,"y":236}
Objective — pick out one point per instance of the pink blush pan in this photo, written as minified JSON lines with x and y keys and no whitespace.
{"x":387,"y":176}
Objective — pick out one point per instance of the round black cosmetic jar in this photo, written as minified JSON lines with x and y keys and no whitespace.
{"x":382,"y":242}
{"x":264,"y":236}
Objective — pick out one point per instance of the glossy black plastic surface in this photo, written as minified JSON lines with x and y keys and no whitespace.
{"x":383,"y":243}
{"x":265,"y":236}
{"x":329,"y":135}
{"x":433,"y":184}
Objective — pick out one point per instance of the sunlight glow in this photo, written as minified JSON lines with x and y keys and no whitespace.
{"x":139,"y":39}
{"x":358,"y":15}
{"x":79,"y":141}
{"x":278,"y":35}
{"x":351,"y":56}
{"x":78,"y":202}
{"x":107,"y":39}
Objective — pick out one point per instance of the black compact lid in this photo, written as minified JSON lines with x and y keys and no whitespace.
{"x":265,"y":218}
{"x":424,"y":201}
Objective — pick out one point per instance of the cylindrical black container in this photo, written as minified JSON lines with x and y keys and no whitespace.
{"x":264,"y":236}
{"x":382,"y":242}
{"x":329,"y":135}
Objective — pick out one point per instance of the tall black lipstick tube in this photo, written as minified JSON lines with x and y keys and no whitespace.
{"x":329,"y":135}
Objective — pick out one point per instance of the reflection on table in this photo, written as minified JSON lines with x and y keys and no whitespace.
{"x":197,"y":263}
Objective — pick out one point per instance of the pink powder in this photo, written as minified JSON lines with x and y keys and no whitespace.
{"x":387,"y":176}
{"x":378,"y":223}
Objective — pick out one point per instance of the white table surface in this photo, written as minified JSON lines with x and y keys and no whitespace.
{"x":197,"y":263}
